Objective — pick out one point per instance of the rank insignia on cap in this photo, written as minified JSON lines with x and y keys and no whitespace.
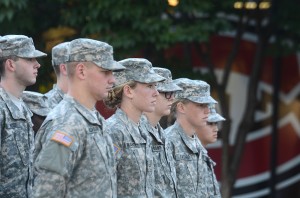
{"x":62,"y":138}
{"x":116,"y":149}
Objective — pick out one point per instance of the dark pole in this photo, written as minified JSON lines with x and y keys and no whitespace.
{"x":274,"y":137}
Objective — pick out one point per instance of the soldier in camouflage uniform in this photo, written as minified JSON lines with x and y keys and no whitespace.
{"x":41,"y":104}
{"x":208,"y":134}
{"x":164,"y":169}
{"x":18,"y":69}
{"x":74,"y":153}
{"x":191,"y":109}
{"x":134,"y":93}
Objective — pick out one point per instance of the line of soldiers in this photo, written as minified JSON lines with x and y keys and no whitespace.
{"x":58,"y":145}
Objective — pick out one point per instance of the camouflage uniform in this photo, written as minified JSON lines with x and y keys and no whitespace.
{"x":16,"y":149}
{"x":188,"y":162}
{"x":41,"y":104}
{"x":132,"y":143}
{"x":54,"y":96}
{"x":130,"y":154}
{"x":187,"y":151}
{"x":16,"y":135}
{"x":212,"y":187}
{"x":83,"y":167}
{"x":164,"y":169}
{"x":74,"y":153}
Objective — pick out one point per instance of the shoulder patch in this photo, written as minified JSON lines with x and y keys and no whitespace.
{"x":62,"y":138}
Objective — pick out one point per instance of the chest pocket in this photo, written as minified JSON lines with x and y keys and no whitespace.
{"x":186,"y":170}
{"x":16,"y":146}
{"x":133,"y":160}
{"x":98,"y":151}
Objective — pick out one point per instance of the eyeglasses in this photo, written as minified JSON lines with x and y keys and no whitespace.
{"x":168,"y":95}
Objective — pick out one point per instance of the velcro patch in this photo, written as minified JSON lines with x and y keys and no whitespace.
{"x":62,"y":138}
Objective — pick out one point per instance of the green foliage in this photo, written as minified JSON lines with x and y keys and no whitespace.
{"x":132,"y":27}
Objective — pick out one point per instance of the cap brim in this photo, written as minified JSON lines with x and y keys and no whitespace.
{"x":215,"y":118}
{"x":149,"y":78}
{"x":2,"y":40}
{"x":110,"y":65}
{"x":203,"y":99}
{"x":168,"y":87}
{"x":34,"y":54}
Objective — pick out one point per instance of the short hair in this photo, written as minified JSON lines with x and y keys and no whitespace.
{"x":2,"y":63}
{"x":114,"y":98}
{"x":56,"y":69}
{"x":71,"y":67}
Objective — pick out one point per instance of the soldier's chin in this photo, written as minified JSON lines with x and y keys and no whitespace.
{"x":31,"y":82}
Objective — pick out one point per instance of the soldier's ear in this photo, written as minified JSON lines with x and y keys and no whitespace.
{"x":128,"y":91}
{"x":80,"y":71}
{"x":180,"y":107}
{"x":10,"y":65}
{"x":63,"y":69}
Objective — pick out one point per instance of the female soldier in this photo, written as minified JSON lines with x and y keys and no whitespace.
{"x":191,"y":110}
{"x":208,"y":134}
{"x":164,"y":170}
{"x":134,"y":92}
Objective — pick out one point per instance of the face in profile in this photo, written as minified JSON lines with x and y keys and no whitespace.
{"x":26,"y":70}
{"x":164,"y":103}
{"x":208,"y":134}
{"x":196,"y":114}
{"x":100,"y":81}
{"x":145,"y":96}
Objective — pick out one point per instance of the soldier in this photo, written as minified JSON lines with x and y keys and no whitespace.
{"x":135,"y":92}
{"x":74,"y":153}
{"x":18,"y":69}
{"x":191,"y":110}
{"x":208,"y":134}
{"x":164,"y":170}
{"x":41,"y":104}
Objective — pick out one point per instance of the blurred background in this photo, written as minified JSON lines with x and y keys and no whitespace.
{"x":248,"y":51}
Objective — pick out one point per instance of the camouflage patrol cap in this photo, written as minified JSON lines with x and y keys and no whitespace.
{"x":137,"y":69}
{"x":60,"y":53}
{"x":2,"y":39}
{"x":195,"y":90}
{"x":167,"y":85}
{"x":90,"y":50}
{"x":19,"y":45}
{"x":213,"y":115}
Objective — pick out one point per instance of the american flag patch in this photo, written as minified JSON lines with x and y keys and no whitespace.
{"x":62,"y":138}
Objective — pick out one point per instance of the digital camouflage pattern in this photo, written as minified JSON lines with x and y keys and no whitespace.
{"x":137,"y":69}
{"x":41,"y":104}
{"x":213,"y":115}
{"x":60,"y":54}
{"x":90,"y":50}
{"x":19,"y":45}
{"x":167,"y":85}
{"x":17,"y":145}
{"x":74,"y":154}
{"x":164,"y":169}
{"x":195,"y":90}
{"x":188,"y":162}
{"x":134,"y":160}
{"x":2,"y":39}
{"x":211,"y":187}
{"x":54,"y":96}
{"x":36,"y":102}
